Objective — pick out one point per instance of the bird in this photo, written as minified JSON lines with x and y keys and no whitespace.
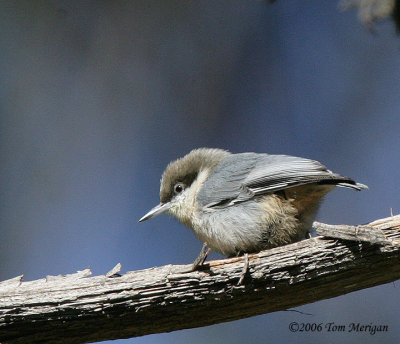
{"x":246,"y":202}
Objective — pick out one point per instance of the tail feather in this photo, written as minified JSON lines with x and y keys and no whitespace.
{"x":355,"y":186}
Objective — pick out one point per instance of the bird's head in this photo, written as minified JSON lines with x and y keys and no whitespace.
{"x":181,"y":182}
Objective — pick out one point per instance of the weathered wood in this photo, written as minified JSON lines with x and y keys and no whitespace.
{"x":366,"y":233}
{"x":78,"y":309}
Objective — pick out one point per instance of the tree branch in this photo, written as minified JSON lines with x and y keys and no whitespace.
{"x":79,"y":309}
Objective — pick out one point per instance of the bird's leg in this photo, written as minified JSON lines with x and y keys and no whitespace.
{"x":245,"y":269}
{"x":202,"y":256}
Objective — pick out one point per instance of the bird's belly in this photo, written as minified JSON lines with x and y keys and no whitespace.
{"x":249,"y":226}
{"x":232,"y":230}
{"x":225,"y":236}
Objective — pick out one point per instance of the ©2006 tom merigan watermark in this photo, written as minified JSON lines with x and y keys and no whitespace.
{"x":352,"y":327}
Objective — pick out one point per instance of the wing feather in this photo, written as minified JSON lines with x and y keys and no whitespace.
{"x":240,"y":177}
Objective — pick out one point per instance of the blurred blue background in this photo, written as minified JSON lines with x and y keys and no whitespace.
{"x":96,"y":97}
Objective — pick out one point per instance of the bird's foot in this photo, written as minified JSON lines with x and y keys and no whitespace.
{"x":245,"y":269}
{"x":205,"y":251}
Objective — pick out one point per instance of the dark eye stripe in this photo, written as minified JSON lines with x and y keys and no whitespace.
{"x":185,"y":180}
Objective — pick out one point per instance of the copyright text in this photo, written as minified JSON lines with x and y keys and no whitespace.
{"x":370,"y":328}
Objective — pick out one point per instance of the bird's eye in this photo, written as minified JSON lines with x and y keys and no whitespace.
{"x":178,"y":188}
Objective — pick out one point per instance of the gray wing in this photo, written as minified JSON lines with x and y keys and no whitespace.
{"x":240,"y":177}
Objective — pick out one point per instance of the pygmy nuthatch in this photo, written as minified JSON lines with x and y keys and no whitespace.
{"x":242,"y":203}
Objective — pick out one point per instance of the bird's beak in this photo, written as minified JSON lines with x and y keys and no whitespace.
{"x":157,"y":210}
